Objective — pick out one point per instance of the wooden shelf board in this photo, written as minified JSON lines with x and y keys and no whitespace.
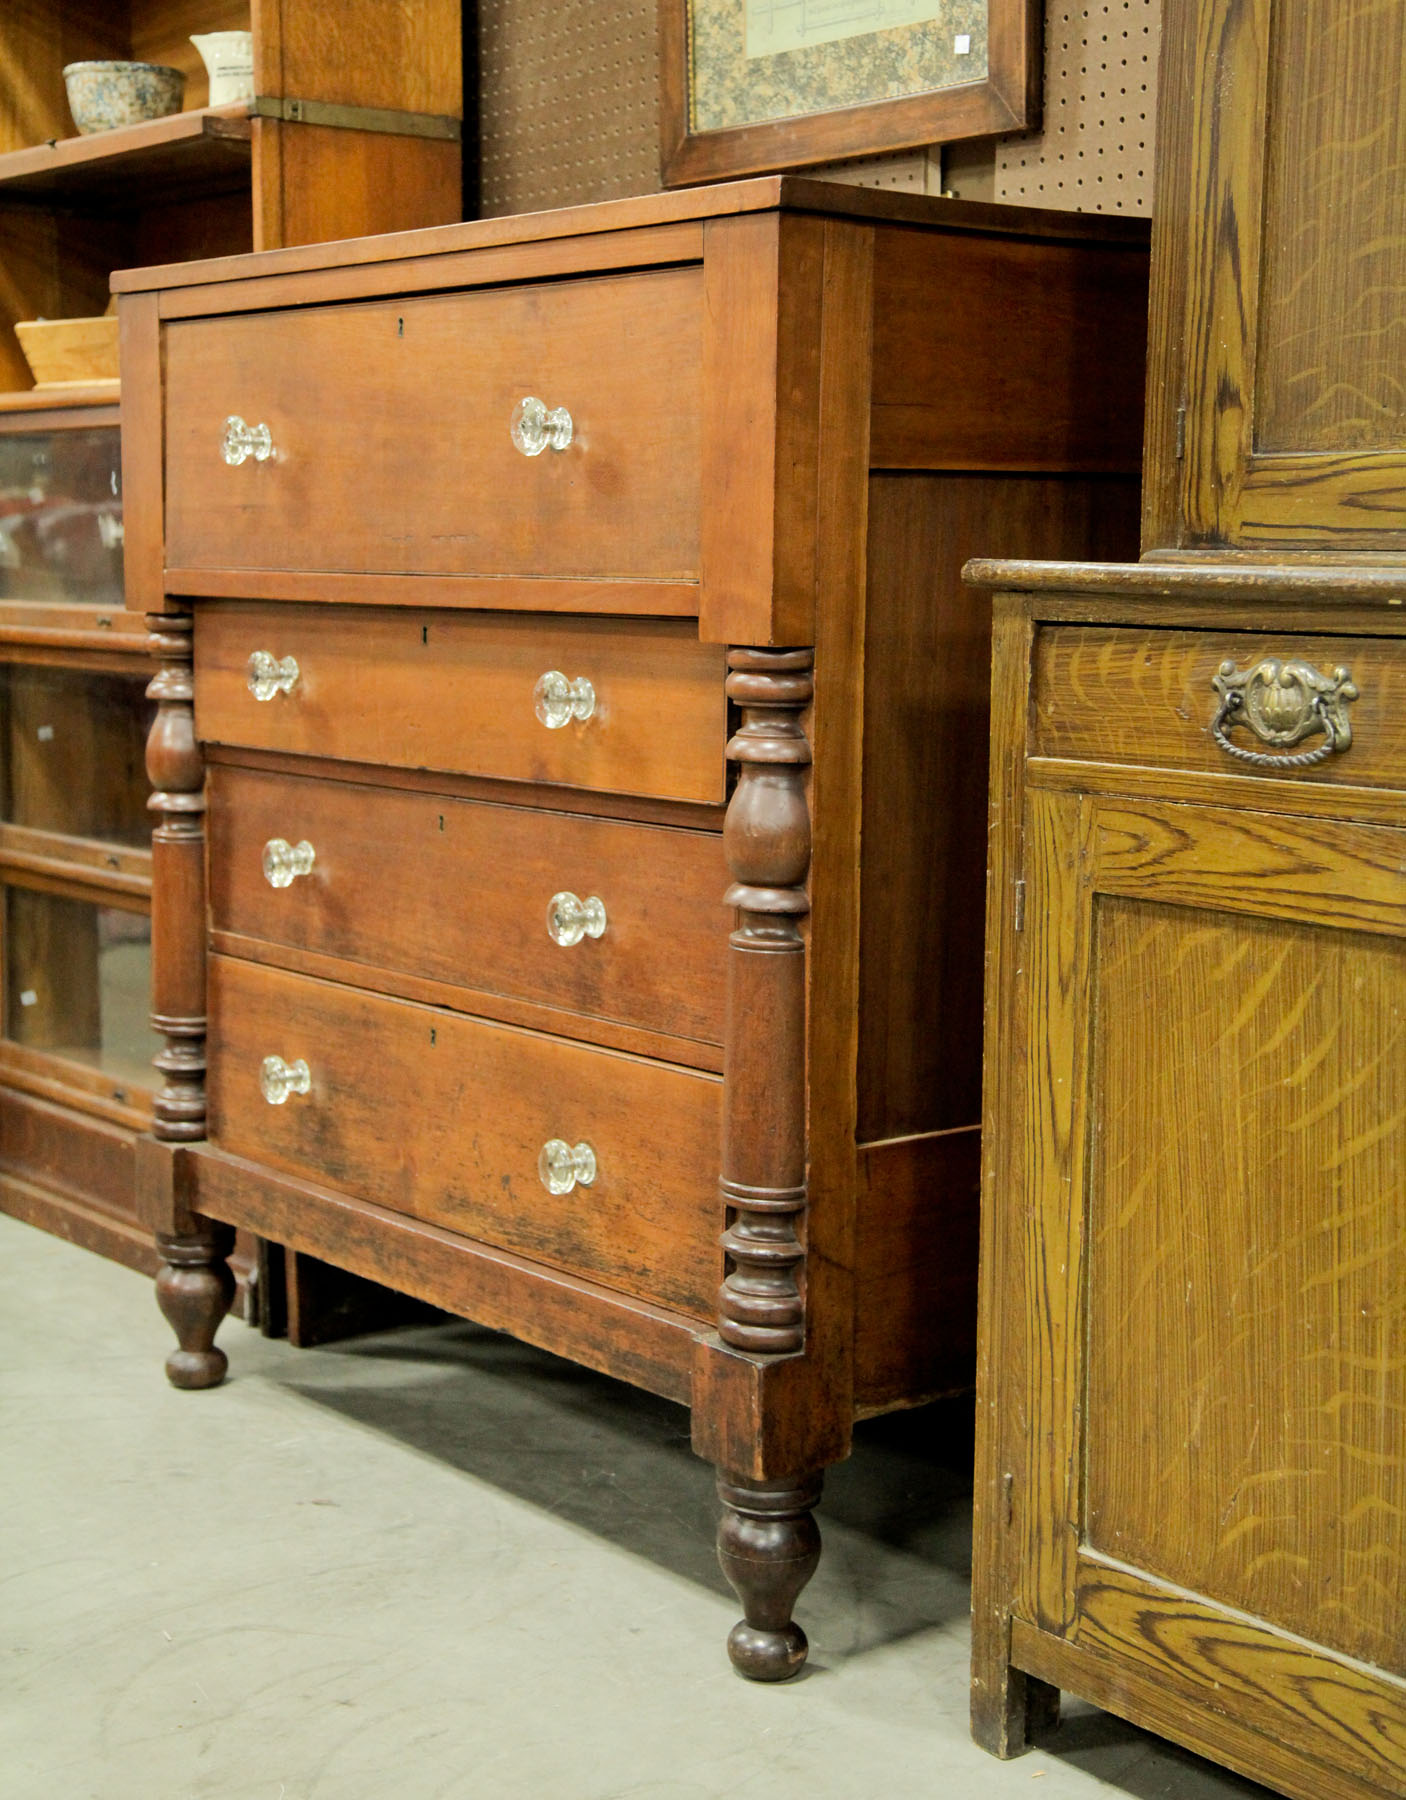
{"x":61,"y":395}
{"x":136,"y":166}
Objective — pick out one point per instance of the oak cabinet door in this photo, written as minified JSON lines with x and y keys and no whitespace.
{"x":1284,"y":146}
{"x":1208,"y":1396}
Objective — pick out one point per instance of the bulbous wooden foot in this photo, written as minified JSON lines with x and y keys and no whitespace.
{"x":194,"y":1290}
{"x":769,"y":1546}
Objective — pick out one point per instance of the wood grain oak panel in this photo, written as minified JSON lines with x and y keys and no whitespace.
{"x":1245,"y":1434}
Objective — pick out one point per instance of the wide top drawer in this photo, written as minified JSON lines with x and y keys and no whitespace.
{"x":379,"y":438}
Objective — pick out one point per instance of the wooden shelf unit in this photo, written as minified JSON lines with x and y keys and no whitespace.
{"x":208,"y":181}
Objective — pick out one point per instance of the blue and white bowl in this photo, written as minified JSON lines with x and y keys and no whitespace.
{"x":104,"y":95}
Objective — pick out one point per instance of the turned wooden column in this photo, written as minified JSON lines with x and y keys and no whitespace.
{"x":195,"y":1285}
{"x":768,"y":1543}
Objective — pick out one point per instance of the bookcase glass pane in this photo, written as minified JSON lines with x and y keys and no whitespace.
{"x":72,"y":749}
{"x":78,"y":983}
{"x":61,"y":517}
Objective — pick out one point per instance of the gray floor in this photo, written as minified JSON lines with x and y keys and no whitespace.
{"x":434,"y":1564}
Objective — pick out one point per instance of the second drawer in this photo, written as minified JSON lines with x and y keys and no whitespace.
{"x":444,"y":1118}
{"x":459,"y":691}
{"x":459,"y":891}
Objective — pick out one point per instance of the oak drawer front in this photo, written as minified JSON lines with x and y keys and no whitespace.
{"x":456,"y":691}
{"x":459,"y":891}
{"x":390,"y":431}
{"x":1130,"y":696}
{"x":443,"y":1118}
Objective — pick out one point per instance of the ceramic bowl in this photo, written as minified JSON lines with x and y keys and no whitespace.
{"x":104,"y":95}
{"x":68,"y":350}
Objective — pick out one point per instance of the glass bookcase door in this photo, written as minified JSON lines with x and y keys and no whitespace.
{"x":72,"y":747}
{"x":61,"y":517}
{"x":78,"y":983}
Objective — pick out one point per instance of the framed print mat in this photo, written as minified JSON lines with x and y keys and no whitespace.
{"x":751,"y":86}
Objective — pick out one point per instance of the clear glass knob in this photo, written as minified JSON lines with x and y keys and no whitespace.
{"x":242,"y":441}
{"x":562,"y":1165}
{"x":270,"y":675}
{"x":558,"y":701}
{"x":570,"y":919}
{"x":285,"y":862}
{"x":279,"y":1079}
{"x":536,"y":427}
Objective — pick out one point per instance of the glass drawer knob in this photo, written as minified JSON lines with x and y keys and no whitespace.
{"x":570,"y":919}
{"x":562,"y":1165}
{"x":558,"y":701}
{"x":242,"y":441}
{"x":285,"y":862}
{"x":270,"y":675}
{"x":279,"y":1079}
{"x":536,"y":427}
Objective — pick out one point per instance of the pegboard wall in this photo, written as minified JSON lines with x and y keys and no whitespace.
{"x":568,"y":102}
{"x":569,"y":110}
{"x":1095,"y":152}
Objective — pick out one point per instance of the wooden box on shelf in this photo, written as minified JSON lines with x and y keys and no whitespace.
{"x":586,"y":592}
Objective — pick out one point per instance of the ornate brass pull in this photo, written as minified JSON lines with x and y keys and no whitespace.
{"x":1283,"y":703}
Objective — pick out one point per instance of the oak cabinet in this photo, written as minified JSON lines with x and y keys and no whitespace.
{"x":1193,"y":1479}
{"x":595,"y":801}
{"x":1276,"y":418}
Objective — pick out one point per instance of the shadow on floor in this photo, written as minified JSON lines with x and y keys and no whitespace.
{"x":617,"y":1462}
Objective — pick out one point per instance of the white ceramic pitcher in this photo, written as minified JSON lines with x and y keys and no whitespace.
{"x":229,"y":56}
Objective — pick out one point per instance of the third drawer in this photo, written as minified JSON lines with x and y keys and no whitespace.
{"x":459,"y":891}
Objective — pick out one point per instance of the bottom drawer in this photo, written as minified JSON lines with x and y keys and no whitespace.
{"x":443,"y":1118}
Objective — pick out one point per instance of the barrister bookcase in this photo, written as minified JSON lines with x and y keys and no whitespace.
{"x":354,"y":128}
{"x":1191,"y":1487}
{"x":567,"y":673}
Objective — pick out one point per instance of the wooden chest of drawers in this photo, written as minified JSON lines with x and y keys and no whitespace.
{"x":562,"y":622}
{"x":1192,"y":1465}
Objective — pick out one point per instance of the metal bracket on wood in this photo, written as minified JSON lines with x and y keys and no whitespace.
{"x":357,"y":118}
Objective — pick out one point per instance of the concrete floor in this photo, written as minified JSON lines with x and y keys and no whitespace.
{"x":433,"y":1564}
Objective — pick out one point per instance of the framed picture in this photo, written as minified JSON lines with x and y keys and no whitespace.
{"x":751,"y":86}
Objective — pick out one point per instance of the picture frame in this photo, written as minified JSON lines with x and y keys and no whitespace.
{"x":750,"y":87}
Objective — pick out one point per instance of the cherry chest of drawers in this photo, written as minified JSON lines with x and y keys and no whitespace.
{"x":570,"y":777}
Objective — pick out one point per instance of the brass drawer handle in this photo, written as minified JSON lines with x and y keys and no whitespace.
{"x":242,"y":441}
{"x":1283,"y":703}
{"x":558,"y":701}
{"x":285,"y":862}
{"x":270,"y":675}
{"x":562,"y":1165}
{"x":279,"y":1079}
{"x":536,"y":427}
{"x":570,"y":919}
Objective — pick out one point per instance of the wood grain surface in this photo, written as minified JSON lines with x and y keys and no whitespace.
{"x":463,"y":897}
{"x":363,"y":401}
{"x":1246,"y":1427}
{"x":425,"y":690}
{"x":485,"y":1099}
{"x":1121,"y":695}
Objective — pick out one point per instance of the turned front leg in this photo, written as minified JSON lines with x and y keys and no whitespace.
{"x":769,"y":1547}
{"x":195,"y":1286}
{"x":194,"y":1289}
